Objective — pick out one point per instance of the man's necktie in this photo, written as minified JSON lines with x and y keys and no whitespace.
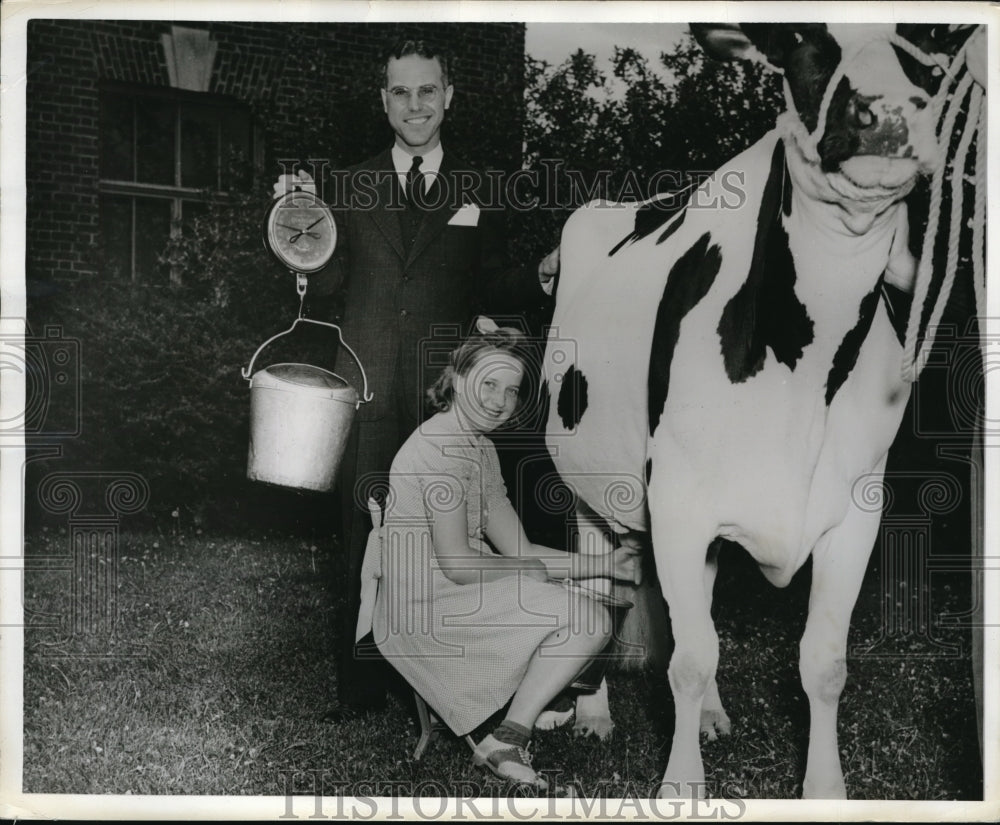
{"x":415,"y":183}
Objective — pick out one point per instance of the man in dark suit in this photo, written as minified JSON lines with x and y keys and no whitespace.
{"x":418,"y":250}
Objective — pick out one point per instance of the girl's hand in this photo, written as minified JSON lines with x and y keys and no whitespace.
{"x":495,"y":569}
{"x":534,"y":569}
{"x":626,"y":564}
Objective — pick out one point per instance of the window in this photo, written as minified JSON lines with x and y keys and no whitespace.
{"x":161,"y":151}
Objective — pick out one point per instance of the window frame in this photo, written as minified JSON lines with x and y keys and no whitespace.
{"x":176,"y":193}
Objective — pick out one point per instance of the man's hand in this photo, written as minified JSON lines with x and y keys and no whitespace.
{"x":289,"y":183}
{"x":548,"y":268}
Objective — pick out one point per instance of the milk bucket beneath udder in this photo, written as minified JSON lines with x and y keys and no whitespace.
{"x":300,"y":418}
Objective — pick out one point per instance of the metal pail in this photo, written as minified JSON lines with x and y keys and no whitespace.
{"x":300,"y":418}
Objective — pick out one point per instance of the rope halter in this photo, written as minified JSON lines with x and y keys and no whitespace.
{"x":915,"y":357}
{"x":945,"y":116}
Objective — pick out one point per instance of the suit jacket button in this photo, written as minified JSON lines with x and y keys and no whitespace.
{"x":403,"y":313}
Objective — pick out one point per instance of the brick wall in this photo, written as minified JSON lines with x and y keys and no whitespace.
{"x":309,"y":86}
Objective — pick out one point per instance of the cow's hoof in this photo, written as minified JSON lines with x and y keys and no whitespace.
{"x":599,"y":726}
{"x":834,"y":789}
{"x":552,"y":719}
{"x":715,"y":723}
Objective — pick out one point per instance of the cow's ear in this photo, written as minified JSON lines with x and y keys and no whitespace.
{"x":936,"y":38}
{"x":722,"y":41}
{"x":767,"y":43}
{"x":731,"y":42}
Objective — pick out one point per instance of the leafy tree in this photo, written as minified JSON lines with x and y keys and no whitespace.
{"x":717,"y":109}
{"x":591,"y":134}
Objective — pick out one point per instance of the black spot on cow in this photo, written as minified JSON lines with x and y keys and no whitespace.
{"x":897,"y":304}
{"x":652,"y":215}
{"x":649,"y":469}
{"x":807,"y":53}
{"x":765,"y":312}
{"x":842,"y":137}
{"x":672,"y":227}
{"x":542,"y":416}
{"x":690,"y":278}
{"x":572,"y":403}
{"x":847,"y":353}
{"x":932,"y":38}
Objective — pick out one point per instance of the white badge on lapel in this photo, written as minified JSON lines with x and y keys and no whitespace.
{"x":468,"y":215}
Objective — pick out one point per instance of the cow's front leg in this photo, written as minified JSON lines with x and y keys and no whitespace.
{"x":680,"y":562}
{"x":714,"y":719}
{"x":839,"y":563}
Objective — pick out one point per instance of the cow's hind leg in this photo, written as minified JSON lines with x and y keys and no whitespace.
{"x":593,"y":716}
{"x":839,"y":563}
{"x":714,"y":719}
{"x":680,"y":551}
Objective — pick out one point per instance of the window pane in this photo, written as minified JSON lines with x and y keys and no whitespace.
{"x":116,"y":237}
{"x":117,"y":161}
{"x":190,"y":211}
{"x":200,"y":146}
{"x":152,"y":231}
{"x":155,"y":133}
{"x":236,"y":150}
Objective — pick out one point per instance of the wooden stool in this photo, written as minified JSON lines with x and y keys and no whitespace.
{"x":429,"y":725}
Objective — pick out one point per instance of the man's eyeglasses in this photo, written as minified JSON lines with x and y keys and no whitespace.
{"x":425,"y":94}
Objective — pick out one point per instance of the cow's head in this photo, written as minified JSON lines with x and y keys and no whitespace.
{"x":879,"y":128}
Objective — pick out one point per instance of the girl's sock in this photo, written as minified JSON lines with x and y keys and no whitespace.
{"x":511,"y":733}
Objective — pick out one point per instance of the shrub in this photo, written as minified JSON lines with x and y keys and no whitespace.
{"x":162,"y":392}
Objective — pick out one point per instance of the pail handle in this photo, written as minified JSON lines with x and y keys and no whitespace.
{"x":365,"y":396}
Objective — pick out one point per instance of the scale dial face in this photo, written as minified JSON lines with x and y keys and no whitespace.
{"x":300,"y":231}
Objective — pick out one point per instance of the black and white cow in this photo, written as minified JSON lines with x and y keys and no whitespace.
{"x":738,"y":363}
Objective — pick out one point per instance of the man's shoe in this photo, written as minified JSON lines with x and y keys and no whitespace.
{"x":508,"y":762}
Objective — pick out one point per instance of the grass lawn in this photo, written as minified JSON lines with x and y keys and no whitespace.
{"x":221,"y":667}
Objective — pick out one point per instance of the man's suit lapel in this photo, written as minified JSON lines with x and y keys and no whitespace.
{"x":385,"y":217}
{"x":436,"y":219}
